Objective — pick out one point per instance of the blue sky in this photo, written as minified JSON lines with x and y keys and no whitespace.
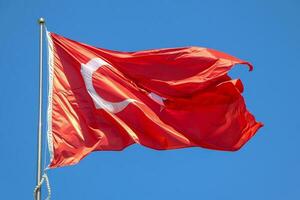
{"x":266,"y":33}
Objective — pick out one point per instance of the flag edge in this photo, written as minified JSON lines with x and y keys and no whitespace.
{"x":49,"y":110}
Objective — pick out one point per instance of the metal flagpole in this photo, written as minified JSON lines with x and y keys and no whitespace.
{"x":41,"y":22}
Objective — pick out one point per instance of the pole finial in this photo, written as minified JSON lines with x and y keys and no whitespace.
{"x":41,"y":20}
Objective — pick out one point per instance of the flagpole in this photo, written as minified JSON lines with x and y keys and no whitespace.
{"x":41,"y":22}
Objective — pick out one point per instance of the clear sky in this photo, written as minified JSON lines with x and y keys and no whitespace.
{"x":266,"y":33}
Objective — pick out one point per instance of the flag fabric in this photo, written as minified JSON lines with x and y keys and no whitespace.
{"x":169,"y":98}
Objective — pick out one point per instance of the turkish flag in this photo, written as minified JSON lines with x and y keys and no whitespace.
{"x":163,"y":99}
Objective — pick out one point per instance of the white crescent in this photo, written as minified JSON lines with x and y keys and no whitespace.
{"x":87,"y":71}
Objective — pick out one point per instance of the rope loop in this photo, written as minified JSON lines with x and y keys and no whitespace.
{"x":39,"y":185}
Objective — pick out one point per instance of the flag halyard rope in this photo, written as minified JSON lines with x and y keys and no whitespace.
{"x":38,"y":187}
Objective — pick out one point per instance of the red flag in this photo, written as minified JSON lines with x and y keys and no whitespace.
{"x":163,"y":99}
